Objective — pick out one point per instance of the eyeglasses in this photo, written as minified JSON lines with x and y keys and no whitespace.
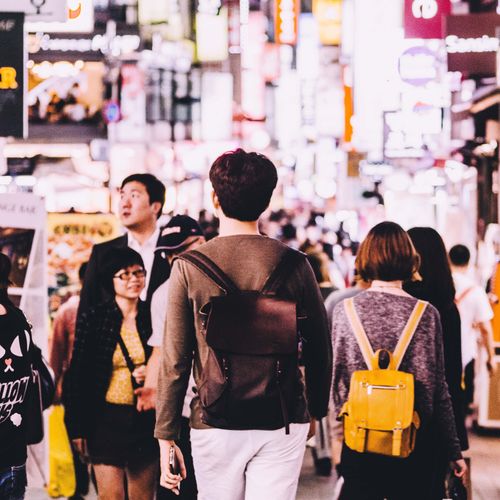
{"x":127,"y":275}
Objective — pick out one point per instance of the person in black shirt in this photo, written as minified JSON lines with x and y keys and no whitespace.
{"x":15,"y":371}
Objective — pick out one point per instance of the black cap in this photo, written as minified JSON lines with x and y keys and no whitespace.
{"x":176,"y":233}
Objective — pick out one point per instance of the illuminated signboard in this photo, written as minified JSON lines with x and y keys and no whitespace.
{"x":212,"y":36}
{"x":80,"y":20}
{"x":12,"y":76}
{"x":286,"y":21}
{"x":328,"y":14}
{"x":472,"y":44}
{"x":37,"y":10}
{"x":424,"y":18}
{"x":155,"y":12}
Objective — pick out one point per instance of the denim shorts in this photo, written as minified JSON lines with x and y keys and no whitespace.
{"x":13,"y":482}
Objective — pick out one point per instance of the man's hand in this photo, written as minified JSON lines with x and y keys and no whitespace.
{"x":460,"y":469}
{"x":312,"y":429}
{"x":80,"y":446}
{"x":167,"y":478}
{"x":492,"y":366}
{"x":139,"y":374}
{"x":146,"y":398}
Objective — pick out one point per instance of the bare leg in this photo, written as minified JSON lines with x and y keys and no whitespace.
{"x":110,"y":482}
{"x":141,"y":481}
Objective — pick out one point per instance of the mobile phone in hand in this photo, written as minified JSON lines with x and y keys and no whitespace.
{"x":172,"y":461}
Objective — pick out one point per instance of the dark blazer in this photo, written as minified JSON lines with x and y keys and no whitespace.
{"x":92,"y":291}
{"x":87,"y":379}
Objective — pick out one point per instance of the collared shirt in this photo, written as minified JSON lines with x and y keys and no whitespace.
{"x":147,"y":252}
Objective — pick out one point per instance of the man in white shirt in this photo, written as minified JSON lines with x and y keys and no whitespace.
{"x":141,"y":202}
{"x":475,"y":315}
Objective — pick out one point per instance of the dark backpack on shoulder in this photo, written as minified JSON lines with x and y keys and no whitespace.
{"x":251,"y":379}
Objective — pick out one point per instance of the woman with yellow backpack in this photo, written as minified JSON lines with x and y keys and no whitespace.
{"x":388,"y":377}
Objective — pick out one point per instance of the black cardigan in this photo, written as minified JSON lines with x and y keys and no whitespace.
{"x":87,"y":379}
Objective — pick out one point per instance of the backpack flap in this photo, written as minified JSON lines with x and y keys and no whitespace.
{"x":252,"y":324}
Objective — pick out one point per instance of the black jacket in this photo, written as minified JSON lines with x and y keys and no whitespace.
{"x":87,"y":379}
{"x":93,"y":292}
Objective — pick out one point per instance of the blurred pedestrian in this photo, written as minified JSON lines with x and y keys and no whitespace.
{"x":476,"y":315}
{"x":436,"y":287}
{"x":386,"y":259}
{"x":109,"y":361}
{"x":61,"y":348}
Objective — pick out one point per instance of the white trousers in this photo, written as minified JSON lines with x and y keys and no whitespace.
{"x":248,"y":465}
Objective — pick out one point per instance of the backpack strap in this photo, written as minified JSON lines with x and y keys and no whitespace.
{"x":360,"y":334}
{"x":211,"y":270}
{"x":408,"y":332}
{"x":284,"y":267}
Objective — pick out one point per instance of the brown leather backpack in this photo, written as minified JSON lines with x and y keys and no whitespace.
{"x":251,"y":378}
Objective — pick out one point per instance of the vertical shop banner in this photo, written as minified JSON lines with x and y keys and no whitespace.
{"x":286,"y":21}
{"x":13,"y":116}
{"x":328,"y":14}
{"x":425,"y":18}
{"x":37,"y":10}
{"x":70,"y":241}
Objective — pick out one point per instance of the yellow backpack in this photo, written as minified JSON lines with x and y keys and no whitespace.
{"x":379,"y":415}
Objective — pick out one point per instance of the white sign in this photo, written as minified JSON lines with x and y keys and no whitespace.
{"x":424,"y":9}
{"x":80,"y":19}
{"x":456,"y":45}
{"x":37,"y":10}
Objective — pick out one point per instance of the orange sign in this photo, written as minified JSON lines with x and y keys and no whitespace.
{"x":8,"y":78}
{"x":286,"y":21}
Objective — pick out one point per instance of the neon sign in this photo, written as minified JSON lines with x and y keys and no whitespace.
{"x":8,"y":77}
{"x":424,"y":9}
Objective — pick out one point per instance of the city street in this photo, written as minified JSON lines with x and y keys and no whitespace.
{"x":484,"y":453}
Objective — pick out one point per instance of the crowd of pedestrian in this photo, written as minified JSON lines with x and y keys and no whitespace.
{"x":201,"y":356}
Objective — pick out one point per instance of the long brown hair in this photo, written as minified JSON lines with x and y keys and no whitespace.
{"x":387,"y":254}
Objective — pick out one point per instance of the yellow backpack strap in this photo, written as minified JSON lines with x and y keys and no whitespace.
{"x":360,"y":334}
{"x":408,"y":332}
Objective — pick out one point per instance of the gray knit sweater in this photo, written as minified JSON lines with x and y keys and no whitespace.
{"x":384,"y":316}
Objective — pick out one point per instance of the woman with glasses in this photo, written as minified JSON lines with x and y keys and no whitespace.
{"x":108,"y":364}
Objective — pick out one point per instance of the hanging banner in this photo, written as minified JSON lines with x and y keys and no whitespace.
{"x":425,"y":18}
{"x":13,"y":116}
{"x":41,"y":10}
{"x":328,"y":14}
{"x":286,"y":21}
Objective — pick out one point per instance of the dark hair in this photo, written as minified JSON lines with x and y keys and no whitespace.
{"x":82,"y":270}
{"x":459,"y":255}
{"x":387,"y":254}
{"x":318,"y":262}
{"x":154,"y":187}
{"x":5,"y":268}
{"x":115,"y":260}
{"x":437,"y":283}
{"x":243,"y":183}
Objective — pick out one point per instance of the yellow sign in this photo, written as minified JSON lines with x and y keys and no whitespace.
{"x":328,"y":14}
{"x":8,"y":78}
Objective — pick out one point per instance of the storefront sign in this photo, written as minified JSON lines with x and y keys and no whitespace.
{"x":328,"y":14}
{"x":212,"y":36}
{"x":154,"y":12}
{"x":80,"y":19}
{"x":37,"y":10}
{"x":12,"y":76}
{"x":424,"y":18}
{"x":472,"y":44}
{"x":286,"y":21}
{"x":418,"y":66}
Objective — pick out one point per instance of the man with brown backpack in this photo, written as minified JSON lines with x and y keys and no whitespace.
{"x":243,"y":307}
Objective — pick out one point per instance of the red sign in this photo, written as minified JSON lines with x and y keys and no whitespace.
{"x":286,"y":21}
{"x":425,"y":18}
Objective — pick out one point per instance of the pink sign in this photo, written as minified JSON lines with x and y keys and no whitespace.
{"x":425,"y":18}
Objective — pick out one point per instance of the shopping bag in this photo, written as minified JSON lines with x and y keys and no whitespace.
{"x":62,"y":481}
